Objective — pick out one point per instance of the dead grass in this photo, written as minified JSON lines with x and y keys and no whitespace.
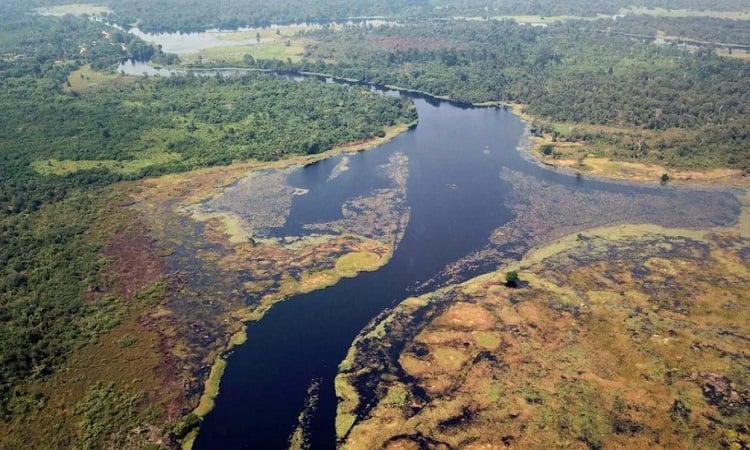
{"x":605,"y":345}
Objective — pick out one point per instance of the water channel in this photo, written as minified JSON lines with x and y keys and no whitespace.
{"x":457,"y":198}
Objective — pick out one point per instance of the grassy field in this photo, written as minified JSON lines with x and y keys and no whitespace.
{"x":739,"y":54}
{"x":282,"y":42}
{"x":127,"y":167}
{"x":86,"y":78}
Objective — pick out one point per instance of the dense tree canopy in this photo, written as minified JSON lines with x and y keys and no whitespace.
{"x":199,"y":15}
{"x":577,"y":72}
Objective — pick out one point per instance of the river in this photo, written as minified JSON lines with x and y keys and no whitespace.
{"x":457,"y":198}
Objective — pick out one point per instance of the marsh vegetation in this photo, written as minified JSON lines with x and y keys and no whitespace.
{"x":144,"y":220}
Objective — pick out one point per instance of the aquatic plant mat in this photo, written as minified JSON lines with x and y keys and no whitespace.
{"x":628,"y":329}
{"x":220,"y":232}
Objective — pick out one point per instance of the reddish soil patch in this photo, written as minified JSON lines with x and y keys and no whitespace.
{"x":135,"y":263}
{"x":406,"y":43}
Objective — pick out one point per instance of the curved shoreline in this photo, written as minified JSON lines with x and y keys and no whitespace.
{"x":618,"y":170}
{"x":527,"y":147}
{"x":212,"y":383}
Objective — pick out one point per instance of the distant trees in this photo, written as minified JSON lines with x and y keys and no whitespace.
{"x":561,"y":73}
{"x":198,"y":121}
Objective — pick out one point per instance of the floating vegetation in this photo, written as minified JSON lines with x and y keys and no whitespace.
{"x":262,"y":199}
{"x":300,"y":438}
{"x":217,"y":230}
{"x":340,"y":168}
{"x":633,"y":337}
{"x":546,"y":211}
{"x":382,"y":215}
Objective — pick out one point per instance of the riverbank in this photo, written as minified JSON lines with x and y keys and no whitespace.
{"x":244,"y":266}
{"x":576,"y":158}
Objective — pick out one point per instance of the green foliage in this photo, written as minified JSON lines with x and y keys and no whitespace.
{"x":197,"y":15}
{"x":706,"y":29}
{"x":47,"y":263}
{"x":51,"y":268}
{"x":155,"y":126}
{"x":105,"y":412}
{"x":574,"y":72}
{"x":511,"y":278}
{"x":186,"y":425}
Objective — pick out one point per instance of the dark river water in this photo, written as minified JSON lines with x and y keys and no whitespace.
{"x":457,"y":198}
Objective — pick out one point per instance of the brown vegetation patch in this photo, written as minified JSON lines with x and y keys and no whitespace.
{"x":547,"y":211}
{"x":466,"y":316}
{"x":629,"y":342}
{"x":135,"y":262}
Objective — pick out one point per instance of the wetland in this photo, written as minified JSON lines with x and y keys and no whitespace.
{"x":460,"y":201}
{"x":239,"y":272}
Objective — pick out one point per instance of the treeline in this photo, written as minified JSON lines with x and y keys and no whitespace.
{"x":202,"y":121}
{"x":581,"y":8}
{"x":198,"y":15}
{"x":568,"y":72}
{"x":33,"y":45}
{"x":38,"y":54}
{"x":206,"y":121}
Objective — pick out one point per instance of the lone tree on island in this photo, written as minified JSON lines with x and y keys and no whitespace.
{"x":511,"y":278}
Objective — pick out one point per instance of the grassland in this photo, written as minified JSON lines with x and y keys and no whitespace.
{"x":144,"y":380}
{"x":86,"y":78}
{"x":618,"y":337}
{"x":662,"y":12}
{"x":128,"y":167}
{"x":739,"y":54}
{"x":558,"y":148}
{"x":285,"y":43}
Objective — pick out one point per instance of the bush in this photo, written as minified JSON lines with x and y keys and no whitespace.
{"x":511,"y":278}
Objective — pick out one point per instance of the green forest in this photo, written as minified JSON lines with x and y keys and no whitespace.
{"x":198,"y":15}
{"x":575,"y":72}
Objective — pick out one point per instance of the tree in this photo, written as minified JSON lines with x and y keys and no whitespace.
{"x":511,"y":278}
